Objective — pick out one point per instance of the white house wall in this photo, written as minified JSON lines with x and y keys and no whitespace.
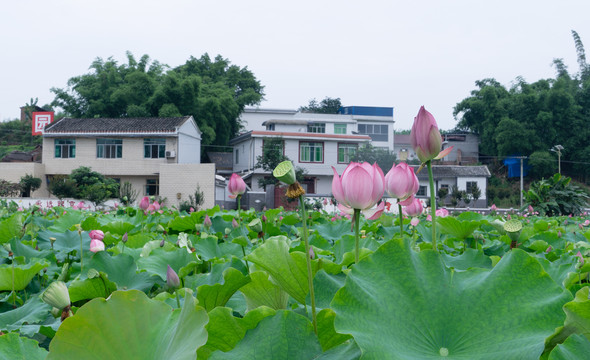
{"x":189,"y":144}
{"x":481,"y":184}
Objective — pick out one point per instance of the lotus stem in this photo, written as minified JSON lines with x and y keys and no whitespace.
{"x":81,"y":253}
{"x":432,"y":204}
{"x":239,"y":199}
{"x":308,"y":260}
{"x":357,"y":221}
{"x":177,"y":298}
{"x":401,"y":219}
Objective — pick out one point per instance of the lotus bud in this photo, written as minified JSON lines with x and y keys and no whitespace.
{"x":415,"y":221}
{"x":255,"y":225}
{"x":264,"y":218}
{"x":162,"y":242}
{"x":236,"y":186}
{"x":96,"y":234}
{"x":227,"y":231}
{"x":125,"y":238}
{"x":172,"y":279}
{"x":425,"y":136}
{"x":56,"y":295}
{"x":144,"y":203}
{"x":207,"y":222}
{"x":96,"y":245}
{"x":234,"y":223}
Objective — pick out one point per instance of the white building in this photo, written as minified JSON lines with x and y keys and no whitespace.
{"x":314,"y":142}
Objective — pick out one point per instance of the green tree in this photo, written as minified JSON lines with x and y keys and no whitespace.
{"x":326,"y":106}
{"x":371,"y":154}
{"x":28,"y":184}
{"x":542,"y":163}
{"x":214,"y":92}
{"x":85,"y":184}
{"x":272,"y":155}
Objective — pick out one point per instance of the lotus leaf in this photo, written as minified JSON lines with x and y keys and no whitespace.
{"x":13,"y":347}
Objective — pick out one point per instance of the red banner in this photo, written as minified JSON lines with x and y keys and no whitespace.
{"x":40,"y":120}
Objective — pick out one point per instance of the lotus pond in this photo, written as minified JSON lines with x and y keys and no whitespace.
{"x":492,"y":291}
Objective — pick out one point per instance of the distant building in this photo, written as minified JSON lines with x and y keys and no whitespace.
{"x":465,"y":148}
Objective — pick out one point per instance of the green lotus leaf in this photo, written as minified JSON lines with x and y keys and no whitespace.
{"x":577,"y":318}
{"x":575,"y":347}
{"x":226,"y":330}
{"x":13,"y":347}
{"x":129,"y":325}
{"x":284,"y":336}
{"x":399,"y":304}
{"x":560,"y":269}
{"x":332,"y":231}
{"x":288,"y":270}
{"x":67,"y":221}
{"x":211,"y":296}
{"x":159,"y":259}
{"x":184,"y":223}
{"x":34,"y":311}
{"x":346,"y":351}
{"x":23,"y":274}
{"x":327,"y":335}
{"x":11,"y":228}
{"x":96,"y":287}
{"x":261,"y":291}
{"x":122,"y":270}
{"x":118,"y":227}
{"x":457,"y":228}
{"x":471,"y":258}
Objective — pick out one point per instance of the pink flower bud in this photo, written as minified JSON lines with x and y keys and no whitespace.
{"x":361,"y":187}
{"x":415,"y":221}
{"x":96,"y":234}
{"x":96,"y":245}
{"x":415,"y":208}
{"x":144,"y":203}
{"x":172,"y":279}
{"x":311,"y":253}
{"x":207,"y":222}
{"x":234,"y":223}
{"x":124,"y":238}
{"x":236,"y":186}
{"x":401,"y":182}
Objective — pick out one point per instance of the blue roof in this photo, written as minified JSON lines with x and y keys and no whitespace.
{"x":366,"y":110}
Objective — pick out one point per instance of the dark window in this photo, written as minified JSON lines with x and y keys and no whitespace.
{"x":316,"y":128}
{"x":377,"y":132}
{"x":65,"y":148}
{"x":109,"y":148}
{"x":154,"y":148}
{"x":152,"y":187}
{"x":470,"y":185}
{"x":309,"y":185}
{"x":421,"y":191}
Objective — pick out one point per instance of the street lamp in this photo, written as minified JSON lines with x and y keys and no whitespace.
{"x":557,"y":149}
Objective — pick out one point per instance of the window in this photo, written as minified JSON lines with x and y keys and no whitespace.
{"x":270,"y":127}
{"x":109,"y":148}
{"x":470,"y":185}
{"x":237,"y":156}
{"x":152,"y":187}
{"x":316,"y":128}
{"x":65,"y":148}
{"x":339,"y":128}
{"x":311,"y":152}
{"x":154,"y":148}
{"x":375,"y":131}
{"x":421,"y":191}
{"x":346,"y":152}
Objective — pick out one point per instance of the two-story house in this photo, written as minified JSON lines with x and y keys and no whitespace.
{"x":158,"y":156}
{"x":465,"y":148}
{"x":314,"y":142}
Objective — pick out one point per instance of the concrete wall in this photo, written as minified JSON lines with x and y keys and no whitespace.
{"x":13,"y":171}
{"x":189,"y":144}
{"x":178,"y":181}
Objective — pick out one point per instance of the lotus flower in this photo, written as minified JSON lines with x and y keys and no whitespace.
{"x":425,"y":137}
{"x":172,"y":279}
{"x":96,"y":245}
{"x":236,"y":186}
{"x":415,"y":221}
{"x":234,"y":223}
{"x":144,"y":203}
{"x":360,"y":187}
{"x":415,"y":208}
{"x":442,"y":212}
{"x":401,"y":182}
{"x":207,"y":222}
{"x":96,"y":234}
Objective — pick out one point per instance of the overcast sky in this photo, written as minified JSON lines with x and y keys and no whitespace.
{"x":402,"y":54}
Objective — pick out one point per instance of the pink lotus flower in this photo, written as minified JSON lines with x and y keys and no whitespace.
{"x":415,"y":221}
{"x":96,"y":245}
{"x":401,"y":182}
{"x":236,"y":186}
{"x":96,"y":235}
{"x":442,"y":212}
{"x":579,"y":255}
{"x":156,"y":205}
{"x":191,"y":210}
{"x":234,"y":223}
{"x":587,"y":222}
{"x":172,"y":279}
{"x":493,"y":208}
{"x":360,"y":187}
{"x":415,"y":208}
{"x":144,"y":203}
{"x":425,"y":137}
{"x":428,"y":217}
{"x":207,"y":222}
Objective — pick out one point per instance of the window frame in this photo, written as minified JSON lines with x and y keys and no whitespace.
{"x":159,"y":143}
{"x":155,"y":184}
{"x":349,"y":145}
{"x":422,"y":191}
{"x":109,"y":146}
{"x":301,"y":143}
{"x":339,"y":127}
{"x":316,"y":127}
{"x":68,"y":144}
{"x":369,"y":129}
{"x":469,"y":186}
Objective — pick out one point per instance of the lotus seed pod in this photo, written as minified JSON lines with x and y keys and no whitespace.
{"x":56,"y":295}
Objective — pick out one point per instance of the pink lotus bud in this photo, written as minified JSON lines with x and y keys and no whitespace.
{"x":96,"y":245}
{"x":311,"y":253}
{"x":191,"y":210}
{"x":558,"y":233}
{"x":415,"y":221}
{"x":401,"y":182}
{"x":96,"y":234}
{"x":493,"y":208}
{"x":124,"y":238}
{"x":360,"y":187}
{"x":264,"y":218}
{"x":548,"y":249}
{"x":172,"y":279}
{"x":236,"y":186}
{"x":531,"y":210}
{"x":579,"y":254}
{"x":20,"y":208}
{"x":415,"y":208}
{"x":587,"y":222}
{"x":428,"y":217}
{"x":144,"y":203}
{"x":156,"y":206}
{"x":207,"y":222}
{"x":162,"y":242}
{"x":234,"y":223}
{"x":565,"y":222}
{"x":425,"y":136}
{"x":580,"y":226}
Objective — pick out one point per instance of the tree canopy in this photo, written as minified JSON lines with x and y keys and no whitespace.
{"x":326,"y":106}
{"x":215,"y":92}
{"x":528,"y":118}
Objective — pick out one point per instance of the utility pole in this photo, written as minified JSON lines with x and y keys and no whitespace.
{"x":521,"y":177}
{"x":557,"y":149}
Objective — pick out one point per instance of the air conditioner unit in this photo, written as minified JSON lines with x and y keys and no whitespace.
{"x":171,"y":154}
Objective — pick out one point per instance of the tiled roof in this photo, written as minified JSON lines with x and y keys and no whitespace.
{"x":452,"y":171}
{"x":116,"y":125}
{"x":222,"y":160}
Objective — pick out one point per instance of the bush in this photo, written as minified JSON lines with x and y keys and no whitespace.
{"x":8,"y":189}
{"x":62,"y":186}
{"x":194,"y":202}
{"x":127,"y":195}
{"x":84,"y":184}
{"x":28,"y":184}
{"x":556,"y":196}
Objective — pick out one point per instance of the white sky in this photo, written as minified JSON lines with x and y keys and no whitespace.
{"x":369,"y":53}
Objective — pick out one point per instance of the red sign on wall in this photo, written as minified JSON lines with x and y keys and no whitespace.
{"x":40,"y":120}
